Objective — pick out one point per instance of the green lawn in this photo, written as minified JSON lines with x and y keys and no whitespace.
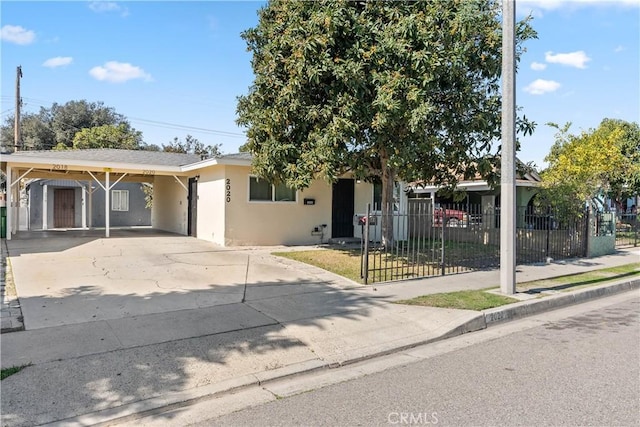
{"x":575,"y":281}
{"x":465,"y":300}
{"x":408,"y":259}
{"x":344,"y":262}
{"x":482,"y":300}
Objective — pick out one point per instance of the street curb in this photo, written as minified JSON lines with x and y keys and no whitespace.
{"x":531,"y":307}
{"x":485,"y":319}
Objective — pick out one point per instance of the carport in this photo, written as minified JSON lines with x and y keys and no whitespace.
{"x":105,"y":167}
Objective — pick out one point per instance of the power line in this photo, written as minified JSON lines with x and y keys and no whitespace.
{"x":185,"y":127}
{"x":166,"y":125}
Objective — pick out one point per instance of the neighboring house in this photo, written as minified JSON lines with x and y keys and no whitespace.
{"x":481,"y":199}
{"x":81,"y":204}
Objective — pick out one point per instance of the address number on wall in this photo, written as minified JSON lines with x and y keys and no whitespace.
{"x":228,"y":190}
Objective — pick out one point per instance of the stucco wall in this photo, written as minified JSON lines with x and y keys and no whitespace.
{"x":601,"y":245}
{"x":274,"y":223}
{"x":170,"y":205}
{"x":137,"y":214}
{"x":211,"y":205}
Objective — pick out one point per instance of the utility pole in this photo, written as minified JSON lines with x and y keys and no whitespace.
{"x":508,"y":157}
{"x":17,"y":134}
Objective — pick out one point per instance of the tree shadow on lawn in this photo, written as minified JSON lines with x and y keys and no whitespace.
{"x":100,"y":377}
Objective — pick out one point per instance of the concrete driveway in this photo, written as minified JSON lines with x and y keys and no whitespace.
{"x":74,"y":277}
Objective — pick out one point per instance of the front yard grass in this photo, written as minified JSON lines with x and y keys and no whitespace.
{"x":465,"y":300}
{"x":344,"y":261}
{"x":571,"y":282}
{"x":408,"y":259}
{"x":482,"y":300}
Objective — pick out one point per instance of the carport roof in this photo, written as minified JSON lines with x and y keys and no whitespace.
{"x":109,"y":155}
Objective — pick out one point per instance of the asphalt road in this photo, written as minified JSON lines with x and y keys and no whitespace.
{"x":578,"y":370}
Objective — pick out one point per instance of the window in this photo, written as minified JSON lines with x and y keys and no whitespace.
{"x":377,"y":196}
{"x":284,"y":193}
{"x":259,"y":190}
{"x":262,"y":191}
{"x":119,"y":200}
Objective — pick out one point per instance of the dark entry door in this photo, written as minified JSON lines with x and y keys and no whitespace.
{"x":193,"y":208}
{"x":64,"y":212}
{"x":342,"y":208}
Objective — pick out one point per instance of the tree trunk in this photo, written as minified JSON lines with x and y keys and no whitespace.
{"x":388,"y":179}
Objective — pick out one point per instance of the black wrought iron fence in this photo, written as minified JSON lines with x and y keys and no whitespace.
{"x":627,"y":230}
{"x":428,"y":240}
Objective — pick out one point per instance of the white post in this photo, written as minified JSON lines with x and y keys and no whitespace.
{"x":45,"y":207}
{"x":9,"y":223}
{"x":90,"y":214}
{"x":507,"y":169}
{"x":17,"y":201}
{"x":84,"y":206}
{"x":106,"y":204}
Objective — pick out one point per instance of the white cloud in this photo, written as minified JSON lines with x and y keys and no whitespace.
{"x":16,"y":34}
{"x":540,"y":87}
{"x":118,"y":72}
{"x":538,"y":66}
{"x":58,"y":61}
{"x":619,"y":48}
{"x":108,"y":6}
{"x":576,"y":59}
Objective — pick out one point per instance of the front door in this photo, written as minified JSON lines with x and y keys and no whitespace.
{"x":64,"y":212}
{"x":342,"y":208}
{"x":192,"y":220}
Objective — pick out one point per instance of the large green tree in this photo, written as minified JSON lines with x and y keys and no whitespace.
{"x":597,"y":163}
{"x":388,"y":90}
{"x":57,"y":126}
{"x":108,"y":136}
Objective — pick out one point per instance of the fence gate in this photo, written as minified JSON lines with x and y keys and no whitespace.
{"x":627,"y":230}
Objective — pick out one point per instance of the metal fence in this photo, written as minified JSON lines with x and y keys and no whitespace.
{"x":433,"y":240}
{"x":627,"y":230}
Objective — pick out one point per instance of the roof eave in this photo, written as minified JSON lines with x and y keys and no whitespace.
{"x":26,"y":161}
{"x":214,"y":162}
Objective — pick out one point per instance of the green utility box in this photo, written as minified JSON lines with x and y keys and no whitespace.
{"x":3,"y":222}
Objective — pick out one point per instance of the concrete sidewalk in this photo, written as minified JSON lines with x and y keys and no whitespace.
{"x":92,"y":372}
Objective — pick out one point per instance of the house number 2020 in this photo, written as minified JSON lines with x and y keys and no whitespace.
{"x":228,"y":190}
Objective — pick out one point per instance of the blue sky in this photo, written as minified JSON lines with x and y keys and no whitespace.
{"x":176,"y":68}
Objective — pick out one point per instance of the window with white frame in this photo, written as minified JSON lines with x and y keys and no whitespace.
{"x":119,"y":200}
{"x":261,"y":190}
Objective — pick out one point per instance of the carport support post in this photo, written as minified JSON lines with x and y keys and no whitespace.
{"x":45,"y":208}
{"x":90,"y":191}
{"x":106,"y":204}
{"x":84,"y":205}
